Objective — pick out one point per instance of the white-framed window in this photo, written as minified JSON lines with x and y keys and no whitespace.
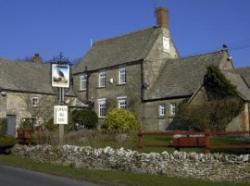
{"x":166,"y":44}
{"x":162,"y":110}
{"x":122,"y":79}
{"x":102,"y":107}
{"x":102,"y":79}
{"x":173,"y":109}
{"x":34,"y":101}
{"x":83,"y":82}
{"x":122,"y":102}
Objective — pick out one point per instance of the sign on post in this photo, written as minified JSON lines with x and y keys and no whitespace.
{"x":60,"y":75}
{"x":61,"y":114}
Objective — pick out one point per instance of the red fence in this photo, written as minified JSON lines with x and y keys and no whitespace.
{"x":190,"y":139}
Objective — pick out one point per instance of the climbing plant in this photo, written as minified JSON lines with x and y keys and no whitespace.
{"x":223,"y":104}
{"x":217,"y":86}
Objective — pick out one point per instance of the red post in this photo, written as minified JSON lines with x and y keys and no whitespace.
{"x":207,"y":141}
{"x":139,"y":139}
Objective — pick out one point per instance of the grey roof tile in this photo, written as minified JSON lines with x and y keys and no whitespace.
{"x":245,"y":74}
{"x":118,"y":50}
{"x":242,"y":88}
{"x":26,"y":76}
{"x":183,"y":76}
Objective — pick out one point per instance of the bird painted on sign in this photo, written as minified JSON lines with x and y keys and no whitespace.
{"x":59,"y":76}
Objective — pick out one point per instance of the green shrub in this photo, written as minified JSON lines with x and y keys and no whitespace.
{"x":120,"y":120}
{"x":85,"y":118}
{"x":26,"y":123}
{"x":3,"y":126}
{"x":7,"y":141}
{"x":50,"y":125}
{"x":212,"y":115}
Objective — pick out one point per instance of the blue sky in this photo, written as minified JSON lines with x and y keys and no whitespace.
{"x":51,"y":26}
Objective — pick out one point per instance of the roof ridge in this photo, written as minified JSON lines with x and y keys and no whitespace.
{"x":242,"y":68}
{"x":20,"y":61}
{"x":203,"y":54}
{"x":124,"y":35}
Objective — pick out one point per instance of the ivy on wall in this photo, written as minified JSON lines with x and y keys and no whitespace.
{"x":222,"y":105}
{"x":217,"y":86}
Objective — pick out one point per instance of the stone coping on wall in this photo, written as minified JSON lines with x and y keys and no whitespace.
{"x":209,"y":166}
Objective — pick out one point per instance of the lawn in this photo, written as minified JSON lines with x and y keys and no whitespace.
{"x":105,"y":177}
{"x":99,"y":139}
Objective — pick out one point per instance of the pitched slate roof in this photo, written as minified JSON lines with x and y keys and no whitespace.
{"x":183,"y":76}
{"x":242,"y":88}
{"x":118,"y":50}
{"x":245,"y":74}
{"x":26,"y":77}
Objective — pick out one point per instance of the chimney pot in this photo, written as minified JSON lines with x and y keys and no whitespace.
{"x":36,"y":58}
{"x":161,"y":17}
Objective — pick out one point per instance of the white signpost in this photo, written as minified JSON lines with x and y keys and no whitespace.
{"x":60,"y":78}
{"x":61,"y":114}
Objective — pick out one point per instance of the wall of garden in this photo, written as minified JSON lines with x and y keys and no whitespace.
{"x":210,"y":166}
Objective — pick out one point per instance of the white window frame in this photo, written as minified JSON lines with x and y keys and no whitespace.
{"x":122,"y":75}
{"x":173,"y":109}
{"x":102,"y":79}
{"x":35,"y":101}
{"x":162,"y":110}
{"x":122,"y":102}
{"x":102,"y":107}
{"x":83,"y":82}
{"x":166,"y":44}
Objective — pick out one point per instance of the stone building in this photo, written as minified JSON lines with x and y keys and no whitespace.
{"x":26,"y":93}
{"x":142,"y":71}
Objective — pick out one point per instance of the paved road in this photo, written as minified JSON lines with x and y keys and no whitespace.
{"x":10,"y":176}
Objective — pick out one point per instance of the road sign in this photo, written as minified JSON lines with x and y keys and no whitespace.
{"x":61,"y":114}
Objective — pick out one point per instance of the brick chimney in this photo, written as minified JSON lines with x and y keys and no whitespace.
{"x":161,"y":17}
{"x":36,"y":58}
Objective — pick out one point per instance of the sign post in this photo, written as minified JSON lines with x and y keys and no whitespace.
{"x":60,"y":78}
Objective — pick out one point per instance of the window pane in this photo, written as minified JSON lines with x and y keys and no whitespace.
{"x":122,"y":103}
{"x":34,"y":101}
{"x":102,"y":108}
{"x":102,"y":79}
{"x":162,"y":110}
{"x":173,"y":109}
{"x":122,"y":75}
{"x":83,"y":82}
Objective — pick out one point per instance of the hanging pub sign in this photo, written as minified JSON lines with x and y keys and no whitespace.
{"x":60,"y":75}
{"x":61,"y":114}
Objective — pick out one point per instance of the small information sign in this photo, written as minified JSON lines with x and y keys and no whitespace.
{"x":61,"y":114}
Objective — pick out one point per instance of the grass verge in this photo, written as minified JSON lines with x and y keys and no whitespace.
{"x":105,"y":177}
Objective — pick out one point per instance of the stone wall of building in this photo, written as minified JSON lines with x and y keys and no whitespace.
{"x":156,"y":59}
{"x":214,"y":167}
{"x":3,"y":105}
{"x":152,"y":121}
{"x":20,"y":105}
{"x":113,"y":90}
{"x":240,"y":122}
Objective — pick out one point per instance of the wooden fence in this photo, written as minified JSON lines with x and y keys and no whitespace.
{"x":190,"y":139}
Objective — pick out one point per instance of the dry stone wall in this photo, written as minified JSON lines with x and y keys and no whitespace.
{"x":215,"y":167}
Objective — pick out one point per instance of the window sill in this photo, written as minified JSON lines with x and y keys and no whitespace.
{"x":103,"y":117}
{"x":121,"y":84}
{"x":161,"y":117}
{"x":100,"y":87}
{"x":82,"y":90}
